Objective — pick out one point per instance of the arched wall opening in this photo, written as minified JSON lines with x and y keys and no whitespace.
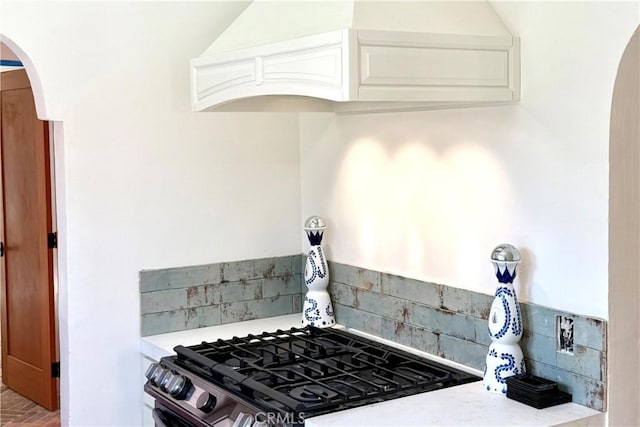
{"x":34,"y":78}
{"x":624,"y":241}
{"x":58,"y":217}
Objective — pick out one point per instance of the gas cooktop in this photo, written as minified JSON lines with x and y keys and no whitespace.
{"x":306,"y":372}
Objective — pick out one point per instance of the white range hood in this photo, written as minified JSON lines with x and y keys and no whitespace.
{"x":351,"y":55}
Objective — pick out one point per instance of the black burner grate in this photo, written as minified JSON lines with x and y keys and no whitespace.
{"x":315,"y":371}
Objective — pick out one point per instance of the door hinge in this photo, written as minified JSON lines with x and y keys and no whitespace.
{"x":52,"y":240}
{"x":55,"y":370}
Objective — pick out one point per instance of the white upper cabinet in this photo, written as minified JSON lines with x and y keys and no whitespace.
{"x":372,"y":61}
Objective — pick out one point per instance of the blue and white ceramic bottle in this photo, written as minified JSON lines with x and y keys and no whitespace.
{"x":317,"y":309}
{"x":505,"y":357}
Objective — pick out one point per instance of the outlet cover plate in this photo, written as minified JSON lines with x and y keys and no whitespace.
{"x":564,"y":334}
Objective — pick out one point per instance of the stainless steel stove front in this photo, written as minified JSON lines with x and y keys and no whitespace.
{"x":183,"y":399}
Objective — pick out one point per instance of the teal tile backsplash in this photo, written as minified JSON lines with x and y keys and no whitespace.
{"x":178,"y":278}
{"x":442,"y":320}
{"x":452,"y":323}
{"x":176,"y":299}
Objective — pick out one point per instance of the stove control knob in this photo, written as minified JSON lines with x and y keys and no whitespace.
{"x":178,"y":386}
{"x":155,"y":373}
{"x":164,"y":378}
{"x":206,"y":402}
{"x":152,"y":371}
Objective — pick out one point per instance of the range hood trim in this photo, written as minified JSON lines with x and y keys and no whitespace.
{"x":333,"y":68}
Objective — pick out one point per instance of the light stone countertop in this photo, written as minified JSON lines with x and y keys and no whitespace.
{"x":467,"y":404}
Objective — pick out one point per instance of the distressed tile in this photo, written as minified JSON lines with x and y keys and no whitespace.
{"x":395,"y":331}
{"x":285,"y":265}
{"x":466,"y":352}
{"x":199,"y":317}
{"x":273,"y":267}
{"x":358,"y":319}
{"x":237,"y":270}
{"x":158,"y":301}
{"x":538,"y":347}
{"x":589,"y":392}
{"x":538,"y":319}
{"x":283,"y":285}
{"x":298,"y":263}
{"x":175,"y":278}
{"x":411,"y":289}
{"x":425,"y":340}
{"x":585,"y":391}
{"x":383,"y":305}
{"x":166,"y":321}
{"x":354,"y":276}
{"x":342,"y":294}
{"x":256,"y":309}
{"x":482,"y":332}
{"x":481,"y":305}
{"x":212,"y":294}
{"x":447,"y":322}
{"x":242,"y":290}
{"x":297,"y":303}
{"x":585,"y":361}
{"x":590,"y":332}
{"x":456,"y":299}
{"x":370,"y":323}
{"x":196,"y":296}
{"x":348,"y":316}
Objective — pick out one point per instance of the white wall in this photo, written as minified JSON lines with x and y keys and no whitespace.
{"x":147,"y":183}
{"x":429,"y":194}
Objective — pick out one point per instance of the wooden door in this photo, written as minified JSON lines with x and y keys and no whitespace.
{"x":26,"y":267}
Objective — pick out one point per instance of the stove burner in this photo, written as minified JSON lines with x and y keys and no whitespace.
{"x":310,"y":370}
{"x":312,"y":393}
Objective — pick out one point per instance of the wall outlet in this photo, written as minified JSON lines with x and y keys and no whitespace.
{"x":564,"y":334}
